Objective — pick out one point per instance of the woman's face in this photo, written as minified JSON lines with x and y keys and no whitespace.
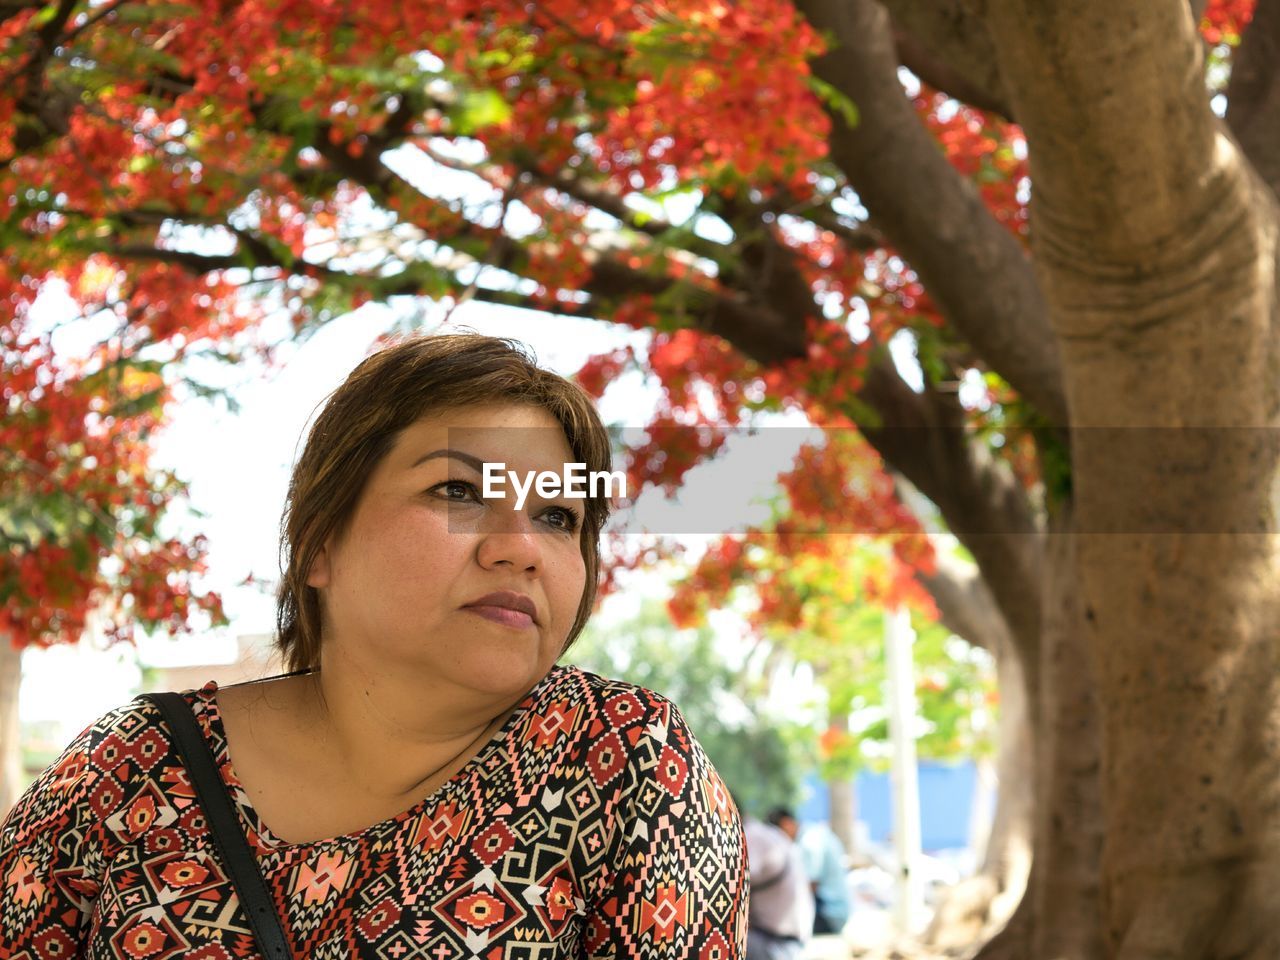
{"x":398,"y":591}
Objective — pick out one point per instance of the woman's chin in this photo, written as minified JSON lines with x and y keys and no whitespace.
{"x":502,"y":668}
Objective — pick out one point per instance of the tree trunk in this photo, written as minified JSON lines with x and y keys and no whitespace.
{"x":985,"y":902}
{"x":11,"y":773}
{"x":1068,"y":917}
{"x":1008,"y":853}
{"x":843,"y":802}
{"x":1013,"y":942}
{"x":1156,"y":245}
{"x":1060,"y":915}
{"x":844,"y":813}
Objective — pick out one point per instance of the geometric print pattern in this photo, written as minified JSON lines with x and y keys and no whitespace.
{"x":591,"y":825}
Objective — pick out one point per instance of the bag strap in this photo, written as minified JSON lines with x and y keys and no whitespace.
{"x":228,"y":838}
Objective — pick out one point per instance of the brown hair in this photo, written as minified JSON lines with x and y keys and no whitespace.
{"x":418,"y":376}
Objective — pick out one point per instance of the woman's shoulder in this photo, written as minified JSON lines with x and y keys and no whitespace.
{"x":102,"y":769}
{"x":622,"y":702}
{"x":647,"y":724}
{"x":669,"y":774}
{"x":133,"y":739}
{"x":139,"y":731}
{"x":134,"y":732}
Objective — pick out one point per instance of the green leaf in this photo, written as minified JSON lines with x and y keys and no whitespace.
{"x":835,"y":100}
{"x":44,"y":16}
{"x":478,"y":109}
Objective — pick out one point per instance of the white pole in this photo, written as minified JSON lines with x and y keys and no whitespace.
{"x":899,"y":636}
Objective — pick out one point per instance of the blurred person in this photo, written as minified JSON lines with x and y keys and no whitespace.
{"x":780,"y":919}
{"x":425,"y":774}
{"x":824,"y":861}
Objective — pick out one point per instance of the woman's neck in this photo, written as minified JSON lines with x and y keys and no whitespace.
{"x":394,"y":735}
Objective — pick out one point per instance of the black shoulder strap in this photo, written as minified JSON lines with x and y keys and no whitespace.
{"x":228,"y":839}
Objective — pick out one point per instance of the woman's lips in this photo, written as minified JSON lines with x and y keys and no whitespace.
{"x":503,"y":615}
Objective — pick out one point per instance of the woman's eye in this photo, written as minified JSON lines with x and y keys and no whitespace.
{"x":568,"y":519}
{"x":564,"y":519}
{"x":451,"y":486}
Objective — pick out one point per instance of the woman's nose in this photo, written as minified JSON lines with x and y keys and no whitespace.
{"x":513,"y":538}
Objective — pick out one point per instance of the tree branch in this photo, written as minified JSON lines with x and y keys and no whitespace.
{"x":965,"y":603}
{"x":971,"y":266}
{"x":923,"y":437}
{"x":599,"y":198}
{"x":1253,"y":93}
{"x":758,"y":329}
{"x":944,"y":44}
{"x":40,"y":113}
{"x":48,"y":35}
{"x":861,"y":237}
{"x":857,"y":236}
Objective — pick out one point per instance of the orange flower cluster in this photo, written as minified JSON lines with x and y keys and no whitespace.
{"x":83,"y":503}
{"x":1224,"y":20}
{"x":168,"y":130}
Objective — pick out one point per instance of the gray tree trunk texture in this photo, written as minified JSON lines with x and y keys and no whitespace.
{"x":1142,"y":328}
{"x":1060,"y":914}
{"x":979,"y":906}
{"x":1009,"y":846}
{"x":1159,"y":266}
{"x":1069,"y":817}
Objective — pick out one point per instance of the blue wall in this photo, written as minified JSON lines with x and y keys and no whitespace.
{"x":947,"y":795}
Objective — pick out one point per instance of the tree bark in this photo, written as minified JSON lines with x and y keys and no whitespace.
{"x":1009,"y":847}
{"x":947,"y":46}
{"x":1069,"y":814}
{"x":844,"y":813}
{"x":1156,"y":244}
{"x":1253,"y":93}
{"x":1014,"y":940}
{"x":1101,"y":90}
{"x":1060,"y":915}
{"x":972,"y":266}
{"x":11,"y":773}
{"x":984,"y":903}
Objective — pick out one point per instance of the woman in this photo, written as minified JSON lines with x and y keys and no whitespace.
{"x":425,"y":781}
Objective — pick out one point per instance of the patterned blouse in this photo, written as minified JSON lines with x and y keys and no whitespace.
{"x":590,"y":825}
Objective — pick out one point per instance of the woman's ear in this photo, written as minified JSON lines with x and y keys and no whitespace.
{"x":318,"y":575}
